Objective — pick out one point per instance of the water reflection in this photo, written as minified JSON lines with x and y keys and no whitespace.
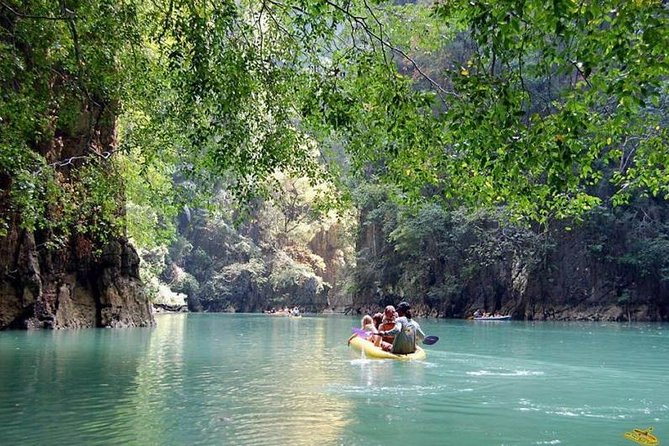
{"x":64,"y":385}
{"x":271,"y":389}
{"x":158,"y":384}
{"x":315,"y":417}
{"x":241,"y":380}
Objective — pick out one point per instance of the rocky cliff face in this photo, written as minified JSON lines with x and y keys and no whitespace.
{"x":611,"y":268}
{"x":330,"y":244}
{"x":65,"y":275}
{"x":69,"y":287}
{"x":61,"y":266}
{"x":578,"y":284}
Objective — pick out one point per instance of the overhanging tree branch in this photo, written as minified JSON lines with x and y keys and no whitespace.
{"x":378,"y":37}
{"x":363,"y":23}
{"x":68,"y":16}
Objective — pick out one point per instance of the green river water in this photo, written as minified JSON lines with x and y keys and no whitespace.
{"x":224,"y":379}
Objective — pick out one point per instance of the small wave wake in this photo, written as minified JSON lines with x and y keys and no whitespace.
{"x":506,"y":373}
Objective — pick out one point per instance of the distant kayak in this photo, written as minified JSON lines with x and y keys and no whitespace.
{"x":493,"y":318}
{"x":374,"y":352}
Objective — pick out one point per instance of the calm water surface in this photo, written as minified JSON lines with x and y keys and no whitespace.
{"x":220,"y":379}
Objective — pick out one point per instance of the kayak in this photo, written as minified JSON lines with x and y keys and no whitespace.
{"x":374,"y":352}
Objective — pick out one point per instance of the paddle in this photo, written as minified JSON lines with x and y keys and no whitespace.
{"x":362,"y":333}
{"x":429,"y":340}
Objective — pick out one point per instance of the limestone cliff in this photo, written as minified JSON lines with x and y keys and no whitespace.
{"x":69,"y":288}
{"x":332,"y":246}
{"x":611,"y":267}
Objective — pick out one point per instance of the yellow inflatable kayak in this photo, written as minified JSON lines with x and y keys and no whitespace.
{"x":642,"y":436}
{"x":372,"y":351}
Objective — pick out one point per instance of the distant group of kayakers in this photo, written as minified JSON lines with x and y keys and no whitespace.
{"x":481,"y":315}
{"x":394,"y":330}
{"x":295,"y":311}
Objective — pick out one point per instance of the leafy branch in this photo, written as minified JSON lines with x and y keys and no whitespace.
{"x":68,"y":14}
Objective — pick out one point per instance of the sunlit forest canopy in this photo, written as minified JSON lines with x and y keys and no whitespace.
{"x":549,"y":109}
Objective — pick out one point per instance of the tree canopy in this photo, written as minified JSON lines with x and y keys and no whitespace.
{"x":480,"y":102}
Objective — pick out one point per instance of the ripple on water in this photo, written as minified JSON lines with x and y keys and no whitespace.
{"x":596,"y":412}
{"x":503,"y":372}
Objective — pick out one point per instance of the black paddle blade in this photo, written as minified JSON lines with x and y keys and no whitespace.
{"x":429,"y":340}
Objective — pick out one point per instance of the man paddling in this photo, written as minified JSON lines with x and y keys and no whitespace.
{"x":404,"y":331}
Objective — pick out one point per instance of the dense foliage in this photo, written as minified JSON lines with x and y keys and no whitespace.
{"x":274,"y":259}
{"x":61,"y":88}
{"x":546,"y":103}
{"x":537,"y":106}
